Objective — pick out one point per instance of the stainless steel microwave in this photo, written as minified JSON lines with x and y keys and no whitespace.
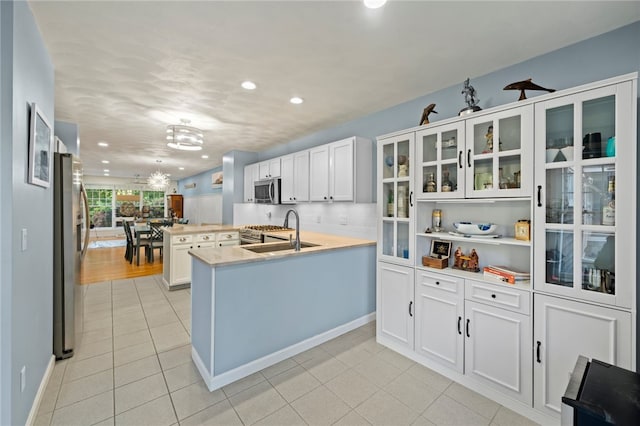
{"x":267,"y":191}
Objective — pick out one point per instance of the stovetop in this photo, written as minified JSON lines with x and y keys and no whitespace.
{"x":266,"y":228}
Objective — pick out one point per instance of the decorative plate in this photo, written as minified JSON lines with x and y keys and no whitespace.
{"x":474,"y":228}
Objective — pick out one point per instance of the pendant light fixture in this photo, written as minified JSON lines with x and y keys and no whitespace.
{"x":184,"y":137}
{"x":158,"y":181}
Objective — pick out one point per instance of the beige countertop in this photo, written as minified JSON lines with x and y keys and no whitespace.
{"x":198,"y":229}
{"x":220,"y":256}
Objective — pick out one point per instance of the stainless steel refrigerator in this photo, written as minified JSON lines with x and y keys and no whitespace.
{"x":70,"y":238}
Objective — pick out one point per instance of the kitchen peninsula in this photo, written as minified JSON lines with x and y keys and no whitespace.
{"x":179,"y":239}
{"x":252,"y":309}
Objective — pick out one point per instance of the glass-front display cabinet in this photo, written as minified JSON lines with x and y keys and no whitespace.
{"x":498,"y":154}
{"x":395,"y":199}
{"x":585,"y":195}
{"x":440,"y":169}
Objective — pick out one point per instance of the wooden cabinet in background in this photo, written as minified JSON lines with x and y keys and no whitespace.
{"x":174,"y":203}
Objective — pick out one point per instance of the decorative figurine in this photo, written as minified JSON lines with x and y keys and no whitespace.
{"x":489,"y":138}
{"x":425,"y":114}
{"x":470,"y":98}
{"x":469,"y":263}
{"x":525,"y":85}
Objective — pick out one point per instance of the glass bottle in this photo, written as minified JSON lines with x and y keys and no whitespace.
{"x":447,"y":186}
{"x":430,"y":186}
{"x":609,"y":208}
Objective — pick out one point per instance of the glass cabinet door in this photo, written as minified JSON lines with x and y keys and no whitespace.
{"x":498,"y":154}
{"x":575,"y":211}
{"x":440,"y":168}
{"x":395,"y":198}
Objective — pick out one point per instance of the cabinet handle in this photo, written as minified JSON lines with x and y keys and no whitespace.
{"x":468,"y":335}
{"x":410,"y":304}
{"x":460,"y":159}
{"x":493,"y":296}
{"x":538,"y":352}
{"x":411,"y":199}
{"x":469,"y":158}
{"x":539,"y":196}
{"x":459,"y":320}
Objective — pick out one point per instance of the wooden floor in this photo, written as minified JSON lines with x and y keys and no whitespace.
{"x":105,"y":264}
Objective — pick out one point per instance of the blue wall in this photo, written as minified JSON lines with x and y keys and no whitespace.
{"x":26,"y":290}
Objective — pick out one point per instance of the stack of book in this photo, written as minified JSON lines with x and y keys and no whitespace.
{"x":505,"y":274}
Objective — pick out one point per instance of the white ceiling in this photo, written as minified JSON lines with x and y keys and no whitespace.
{"x":126,"y":69}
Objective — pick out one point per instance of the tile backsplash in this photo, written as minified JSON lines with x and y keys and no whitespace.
{"x":347,"y":219}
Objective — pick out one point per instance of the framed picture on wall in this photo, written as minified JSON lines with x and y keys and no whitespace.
{"x":40,"y":146}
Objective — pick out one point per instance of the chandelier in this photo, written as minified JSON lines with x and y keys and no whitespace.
{"x":158,"y":180}
{"x":184,"y":137}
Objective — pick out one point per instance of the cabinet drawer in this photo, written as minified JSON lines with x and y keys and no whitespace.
{"x":204,"y":238}
{"x":500,"y":296}
{"x":446,"y":284}
{"x":182,"y":239}
{"x":227,"y":236}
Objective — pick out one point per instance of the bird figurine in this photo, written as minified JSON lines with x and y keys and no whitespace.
{"x":425,"y":114}
{"x":525,"y":85}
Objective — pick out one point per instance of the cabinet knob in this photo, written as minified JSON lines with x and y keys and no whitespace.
{"x":493,"y":296}
{"x":331,"y":198}
{"x":325,"y":198}
{"x":437,"y":282}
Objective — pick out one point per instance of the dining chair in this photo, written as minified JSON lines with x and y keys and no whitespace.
{"x":156,"y":238}
{"x":131,"y":246}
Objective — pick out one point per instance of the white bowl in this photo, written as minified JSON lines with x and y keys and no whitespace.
{"x":474,"y":228}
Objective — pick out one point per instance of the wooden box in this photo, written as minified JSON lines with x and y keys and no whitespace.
{"x":434,"y":262}
{"x":439,"y":256}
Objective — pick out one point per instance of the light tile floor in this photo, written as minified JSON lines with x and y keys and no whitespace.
{"x":133,"y":367}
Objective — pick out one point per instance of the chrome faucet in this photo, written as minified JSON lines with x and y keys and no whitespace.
{"x":286,"y":225}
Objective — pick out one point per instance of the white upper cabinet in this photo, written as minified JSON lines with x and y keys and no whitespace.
{"x":585,"y":203}
{"x":341,"y":171}
{"x":440,"y":165}
{"x":498,"y":154}
{"x":295,"y":178}
{"x":250,"y":176}
{"x":269,"y":169}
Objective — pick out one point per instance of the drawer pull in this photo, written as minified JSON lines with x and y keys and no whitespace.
{"x":206,"y":238}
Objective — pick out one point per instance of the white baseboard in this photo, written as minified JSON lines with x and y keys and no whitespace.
{"x":216,"y":382}
{"x":43,"y":386}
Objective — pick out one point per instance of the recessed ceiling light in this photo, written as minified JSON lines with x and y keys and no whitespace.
{"x":296,"y":100}
{"x":106,"y":174}
{"x":105,"y":161}
{"x":168,"y":174}
{"x":249,"y":85}
{"x":205,"y":156}
{"x":180,"y":168}
{"x":103,"y":144}
{"x":106,"y":170}
{"x":374,"y":4}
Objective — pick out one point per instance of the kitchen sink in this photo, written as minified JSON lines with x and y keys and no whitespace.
{"x":270,"y":247}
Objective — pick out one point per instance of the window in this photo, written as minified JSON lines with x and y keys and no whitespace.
{"x":153,"y":204}
{"x":100,"y":202}
{"x":127,"y":204}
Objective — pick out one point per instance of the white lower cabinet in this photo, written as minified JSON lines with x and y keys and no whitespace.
{"x":394,"y":313}
{"x":439,"y":315}
{"x":565,"y":329}
{"x":497,"y":349}
{"x":476,"y":336}
{"x":181,"y":260}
